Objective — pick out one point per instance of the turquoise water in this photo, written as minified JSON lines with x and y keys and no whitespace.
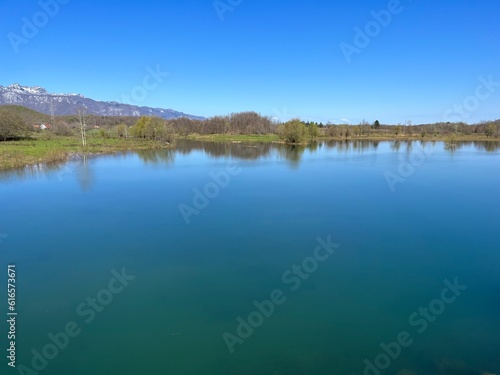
{"x":391,"y":249}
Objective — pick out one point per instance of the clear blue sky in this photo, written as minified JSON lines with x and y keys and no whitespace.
{"x":279,"y":58}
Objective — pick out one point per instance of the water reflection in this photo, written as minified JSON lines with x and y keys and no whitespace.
{"x":31,"y":171}
{"x":157,"y":156}
{"x":243,"y":151}
{"x":353,"y":146}
{"x":482,"y":146}
{"x":82,"y":169}
{"x":293,"y":153}
{"x":77,"y":165}
{"x":84,"y":174}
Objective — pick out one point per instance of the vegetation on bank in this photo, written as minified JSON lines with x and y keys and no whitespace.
{"x":28,"y":137}
{"x":42,"y":149}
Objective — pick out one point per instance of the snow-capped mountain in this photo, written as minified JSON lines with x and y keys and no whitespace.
{"x":40,"y":100}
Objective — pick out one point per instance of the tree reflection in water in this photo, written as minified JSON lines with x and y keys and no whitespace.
{"x":241,"y":151}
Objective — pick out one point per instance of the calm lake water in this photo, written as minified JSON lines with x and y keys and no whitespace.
{"x":342,"y":258}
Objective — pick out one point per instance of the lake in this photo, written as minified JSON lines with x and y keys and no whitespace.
{"x":223,"y":258}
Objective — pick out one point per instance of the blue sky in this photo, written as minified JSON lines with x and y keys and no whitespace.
{"x":279,"y":58}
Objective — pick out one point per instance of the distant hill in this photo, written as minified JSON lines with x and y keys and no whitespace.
{"x":38,"y":99}
{"x":32,"y":117}
{"x":28,"y":115}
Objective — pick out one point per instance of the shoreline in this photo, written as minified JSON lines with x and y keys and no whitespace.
{"x":272,"y":138}
{"x":32,"y":152}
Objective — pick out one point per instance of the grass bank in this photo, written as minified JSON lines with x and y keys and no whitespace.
{"x":15,"y":154}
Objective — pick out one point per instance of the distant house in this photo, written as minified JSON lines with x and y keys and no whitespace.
{"x":41,"y":126}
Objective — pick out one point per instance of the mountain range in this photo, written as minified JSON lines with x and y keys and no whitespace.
{"x":37,"y":98}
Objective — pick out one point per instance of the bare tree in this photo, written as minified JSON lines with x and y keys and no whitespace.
{"x":52,"y":112}
{"x":82,"y":119}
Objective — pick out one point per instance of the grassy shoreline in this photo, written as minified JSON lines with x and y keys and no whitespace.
{"x":40,"y":149}
{"x":18,"y":154}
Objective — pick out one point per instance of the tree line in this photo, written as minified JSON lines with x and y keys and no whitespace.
{"x":17,"y":123}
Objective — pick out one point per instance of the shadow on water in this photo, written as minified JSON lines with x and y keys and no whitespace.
{"x":81,"y":168}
